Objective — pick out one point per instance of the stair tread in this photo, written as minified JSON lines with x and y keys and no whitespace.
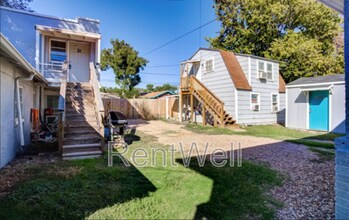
{"x":82,"y":153}
{"x":81,"y":145}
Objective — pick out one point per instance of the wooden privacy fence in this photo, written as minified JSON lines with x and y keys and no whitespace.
{"x":147,"y":109}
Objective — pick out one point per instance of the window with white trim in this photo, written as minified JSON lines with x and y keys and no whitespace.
{"x":255,"y":101}
{"x":274,"y":102}
{"x":209,"y":65}
{"x":265,"y":70}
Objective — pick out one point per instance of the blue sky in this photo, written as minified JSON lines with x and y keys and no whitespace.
{"x":145,"y":24}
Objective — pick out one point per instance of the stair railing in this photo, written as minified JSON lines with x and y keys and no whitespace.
{"x":94,"y":73}
{"x":210,"y":99}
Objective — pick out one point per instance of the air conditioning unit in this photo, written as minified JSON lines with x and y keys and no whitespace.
{"x":262,"y":75}
{"x":255,"y":107}
{"x":275,"y":108}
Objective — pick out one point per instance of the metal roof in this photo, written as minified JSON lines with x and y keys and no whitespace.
{"x":318,"y":80}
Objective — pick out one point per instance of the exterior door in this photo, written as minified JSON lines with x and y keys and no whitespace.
{"x":79,"y":56}
{"x":318,"y":110}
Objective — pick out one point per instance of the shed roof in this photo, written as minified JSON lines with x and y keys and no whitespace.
{"x":317,"y":80}
{"x":154,"y":95}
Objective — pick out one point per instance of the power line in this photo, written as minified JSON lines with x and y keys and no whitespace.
{"x":164,"y":74}
{"x":159,"y":66}
{"x":177,"y":38}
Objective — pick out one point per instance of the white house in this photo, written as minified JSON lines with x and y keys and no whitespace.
{"x":62,"y":54}
{"x":228,"y":88}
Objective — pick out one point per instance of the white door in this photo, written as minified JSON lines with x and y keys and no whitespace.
{"x":79,"y":56}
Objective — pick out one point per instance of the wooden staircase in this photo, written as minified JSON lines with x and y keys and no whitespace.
{"x":81,"y":128}
{"x":209,"y":101}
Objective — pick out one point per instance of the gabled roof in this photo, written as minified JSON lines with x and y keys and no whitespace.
{"x":328,"y":79}
{"x":154,"y":95}
{"x":235,"y":71}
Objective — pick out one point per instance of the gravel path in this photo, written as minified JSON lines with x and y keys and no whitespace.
{"x":308,"y":191}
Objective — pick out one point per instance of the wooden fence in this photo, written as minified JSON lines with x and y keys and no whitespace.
{"x":147,"y":109}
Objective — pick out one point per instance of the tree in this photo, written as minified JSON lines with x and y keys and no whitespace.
{"x":165,"y":87}
{"x":265,"y":28}
{"x":149,"y":88}
{"x":125,"y":62}
{"x":17,"y":4}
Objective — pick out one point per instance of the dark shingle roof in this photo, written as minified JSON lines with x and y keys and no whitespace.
{"x":318,"y":79}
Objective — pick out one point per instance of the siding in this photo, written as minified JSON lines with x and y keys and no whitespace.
{"x":265,"y":88}
{"x":338,"y":109}
{"x":19,"y":28}
{"x":218,"y":81}
{"x":9,"y":138}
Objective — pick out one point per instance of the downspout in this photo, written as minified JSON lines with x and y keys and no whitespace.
{"x":19,"y":110}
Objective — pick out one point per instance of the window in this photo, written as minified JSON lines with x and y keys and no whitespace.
{"x":52,"y":101}
{"x":274,"y":102}
{"x":208,"y":65}
{"x":265,"y":70}
{"x":270,"y":71}
{"x":58,"y":51}
{"x":260,"y":66}
{"x":255,"y":102}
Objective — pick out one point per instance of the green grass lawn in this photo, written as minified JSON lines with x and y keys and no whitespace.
{"x":273,"y":131}
{"x":90,"y":189}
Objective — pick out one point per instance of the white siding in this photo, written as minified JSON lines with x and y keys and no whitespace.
{"x":297,"y":102}
{"x":219,"y":80}
{"x":338,"y":109}
{"x":263,"y":87}
{"x":9,"y":138}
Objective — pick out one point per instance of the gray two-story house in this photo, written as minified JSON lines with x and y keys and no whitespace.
{"x":221,"y":87}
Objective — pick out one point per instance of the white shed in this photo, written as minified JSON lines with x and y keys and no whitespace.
{"x":316,"y":103}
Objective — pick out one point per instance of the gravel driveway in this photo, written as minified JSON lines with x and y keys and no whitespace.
{"x":308,"y":191}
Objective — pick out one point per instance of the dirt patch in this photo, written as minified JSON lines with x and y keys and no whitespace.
{"x":308,"y":189}
{"x":25,"y":168}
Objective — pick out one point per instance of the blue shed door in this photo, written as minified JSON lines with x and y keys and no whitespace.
{"x":318,"y":110}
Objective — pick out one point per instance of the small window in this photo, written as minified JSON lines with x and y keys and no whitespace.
{"x":255,"y":102}
{"x":270,"y":71}
{"x":260,"y":66}
{"x":274,"y":102}
{"x":209,"y":65}
{"x":52,"y":101}
{"x":58,"y":51}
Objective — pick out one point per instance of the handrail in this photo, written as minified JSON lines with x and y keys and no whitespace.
{"x":98,"y":99}
{"x":208,"y":97}
{"x":201,"y":84}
